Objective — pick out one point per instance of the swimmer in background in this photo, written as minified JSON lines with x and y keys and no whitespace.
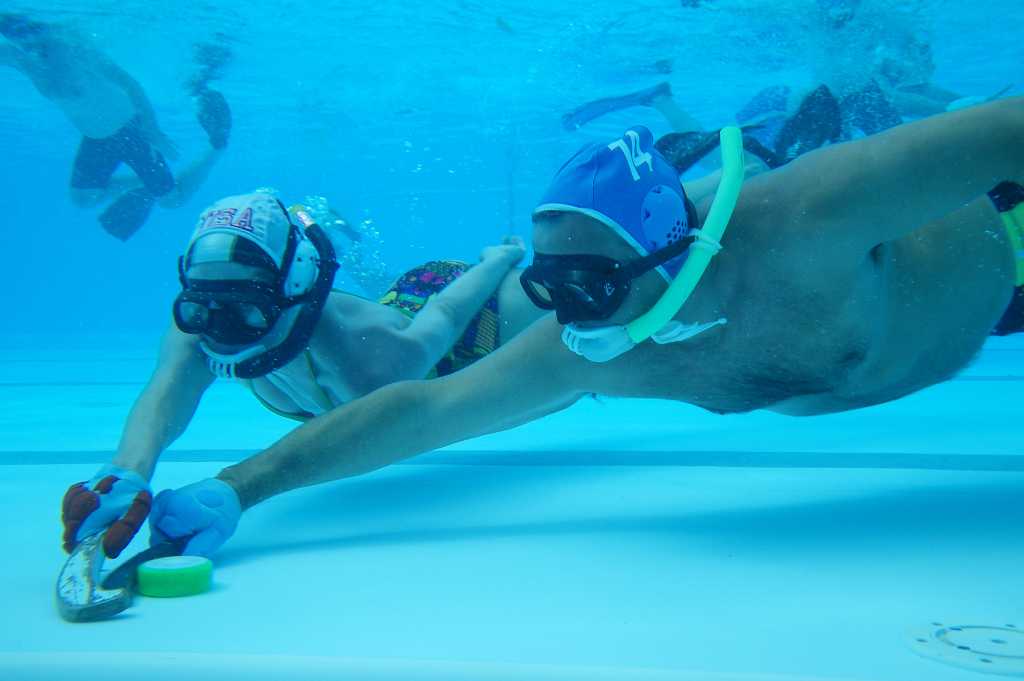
{"x":769,"y":142}
{"x":257,"y":304}
{"x":880,"y":65}
{"x":872,"y":94}
{"x":773,"y":135}
{"x":117,"y":122}
{"x":777,"y":128}
{"x":214,"y":114}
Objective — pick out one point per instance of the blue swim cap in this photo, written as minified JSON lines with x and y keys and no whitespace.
{"x":628,"y":186}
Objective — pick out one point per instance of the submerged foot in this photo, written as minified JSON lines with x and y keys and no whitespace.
{"x":816,"y":123}
{"x":582,"y":115}
{"x":214,"y":116}
{"x":210,"y":58}
{"x":127,"y":213}
{"x":869,"y":110}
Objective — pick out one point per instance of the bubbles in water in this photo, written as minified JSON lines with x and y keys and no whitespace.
{"x":358,"y":246}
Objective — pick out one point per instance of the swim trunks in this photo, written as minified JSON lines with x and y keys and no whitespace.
{"x":1008,"y":198}
{"x":412,"y":290}
{"x":97,"y":159}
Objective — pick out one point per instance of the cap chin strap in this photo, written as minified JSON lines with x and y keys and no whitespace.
{"x":605,"y":343}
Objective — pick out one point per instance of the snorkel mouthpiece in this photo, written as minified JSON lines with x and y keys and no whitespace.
{"x":606,"y":343}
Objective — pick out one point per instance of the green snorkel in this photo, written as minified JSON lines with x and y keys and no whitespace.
{"x":605,"y":343}
{"x":706,"y":246}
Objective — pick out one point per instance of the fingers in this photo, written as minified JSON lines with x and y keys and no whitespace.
{"x":514,"y":240}
{"x":117,"y":503}
{"x":205,"y":543}
{"x":78,"y":503}
{"x":79,"y":511}
{"x":106,"y":484}
{"x":173,"y":520}
{"x":176,"y":516}
{"x":206,"y":513}
{"x":123,"y":529}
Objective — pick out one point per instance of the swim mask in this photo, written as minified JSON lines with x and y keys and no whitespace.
{"x":256,"y":320}
{"x":630,"y":187}
{"x":583,"y":288}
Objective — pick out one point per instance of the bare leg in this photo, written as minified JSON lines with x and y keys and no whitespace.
{"x":190,"y":179}
{"x":659,"y":98}
{"x":679,"y":120}
{"x":582,"y":115}
{"x":88,"y":198}
{"x":187,"y":183}
{"x":682,"y":124}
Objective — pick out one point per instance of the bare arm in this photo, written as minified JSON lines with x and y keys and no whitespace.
{"x":166,"y":405}
{"x":886,"y":186}
{"x":532,"y":376}
{"x":680,"y":120}
{"x":443,"y":320}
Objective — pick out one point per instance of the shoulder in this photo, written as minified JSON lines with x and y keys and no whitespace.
{"x":351,"y":324}
{"x":767,"y":210}
{"x":811,"y":202}
{"x":347,"y":313}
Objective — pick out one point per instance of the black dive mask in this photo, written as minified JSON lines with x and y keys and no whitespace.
{"x":229,"y":312}
{"x":236,"y":311}
{"x":583,"y":288}
{"x":232,"y":315}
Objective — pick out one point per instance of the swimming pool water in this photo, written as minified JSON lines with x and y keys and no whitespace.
{"x":620,"y":539}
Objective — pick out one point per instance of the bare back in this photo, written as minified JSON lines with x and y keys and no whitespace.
{"x":72,"y":77}
{"x":817,"y":327}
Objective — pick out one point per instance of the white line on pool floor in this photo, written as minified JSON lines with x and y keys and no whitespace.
{"x":734,"y":569}
{"x":793,"y":572}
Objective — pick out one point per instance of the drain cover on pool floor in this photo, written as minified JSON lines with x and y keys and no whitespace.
{"x":982,"y":648}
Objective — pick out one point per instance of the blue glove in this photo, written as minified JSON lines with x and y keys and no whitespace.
{"x":207,"y":511}
{"x":115,"y":500}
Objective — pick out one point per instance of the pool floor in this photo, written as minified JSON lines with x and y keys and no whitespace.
{"x":622,"y":539}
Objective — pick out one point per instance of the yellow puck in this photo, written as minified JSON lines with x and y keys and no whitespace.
{"x":175,"y":576}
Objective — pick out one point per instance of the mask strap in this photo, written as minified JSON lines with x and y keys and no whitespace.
{"x":676,"y":331}
{"x":717,"y":220}
{"x":660,"y":257}
{"x":606,"y":343}
{"x":181,"y":272}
